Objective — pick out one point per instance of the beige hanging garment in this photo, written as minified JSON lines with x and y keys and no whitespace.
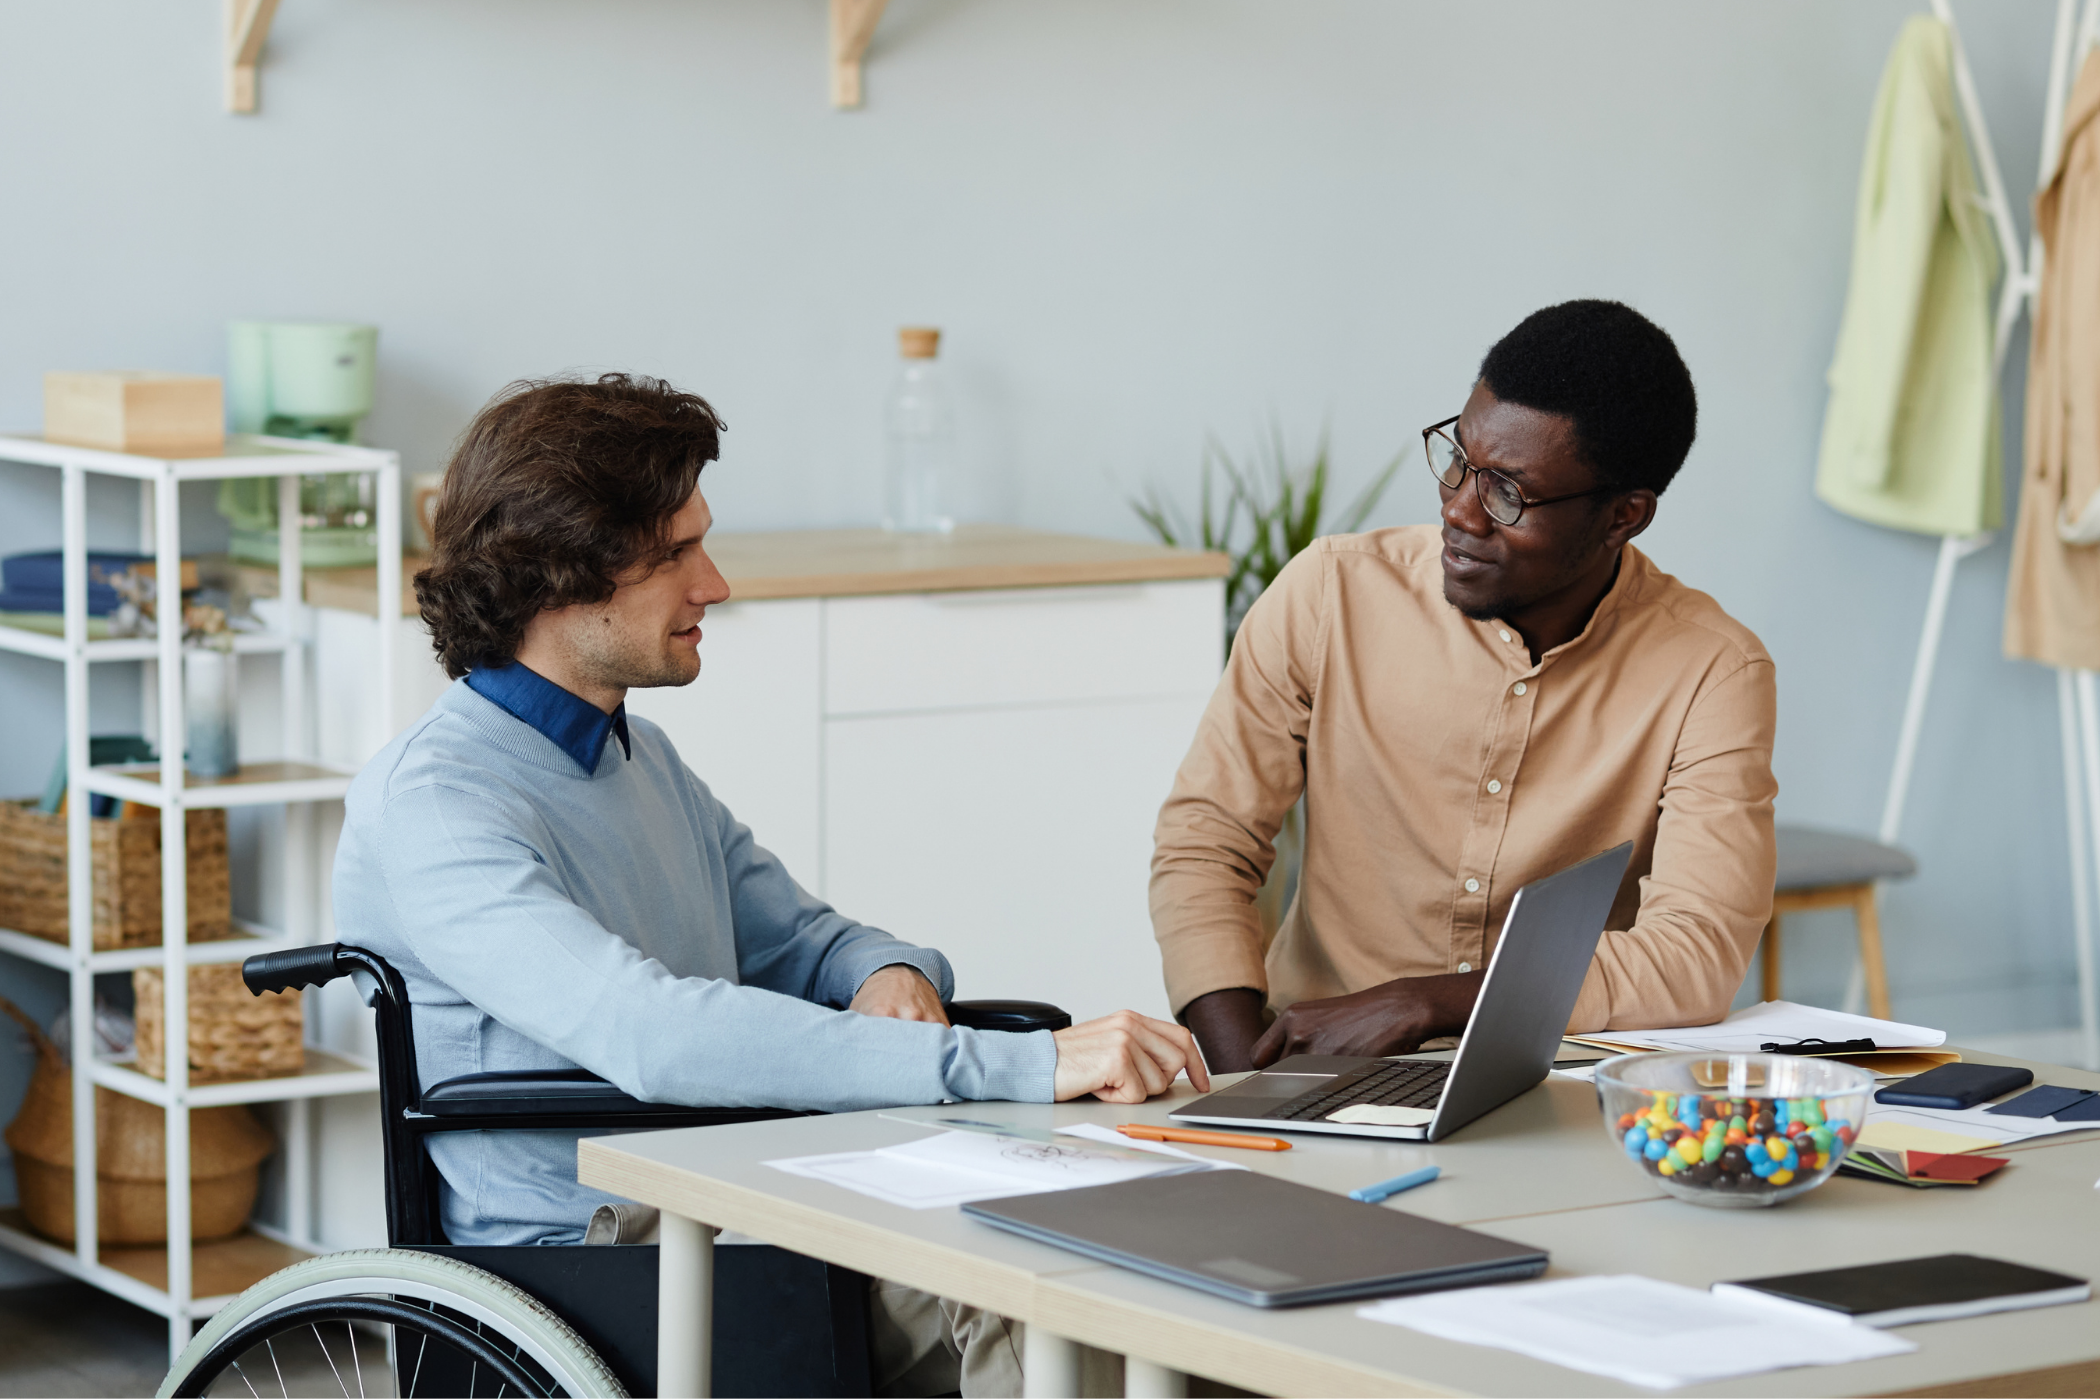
{"x":2052,"y":601}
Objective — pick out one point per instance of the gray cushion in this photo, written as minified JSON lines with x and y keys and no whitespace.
{"x":1810,"y":858}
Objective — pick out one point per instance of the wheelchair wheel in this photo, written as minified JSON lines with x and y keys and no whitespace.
{"x":382,"y":1322}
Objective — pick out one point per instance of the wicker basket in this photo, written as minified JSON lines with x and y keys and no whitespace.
{"x":127,"y":876}
{"x":234,"y":1034}
{"x":227,"y":1146}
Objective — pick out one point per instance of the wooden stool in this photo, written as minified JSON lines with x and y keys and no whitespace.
{"x":1829,"y":870}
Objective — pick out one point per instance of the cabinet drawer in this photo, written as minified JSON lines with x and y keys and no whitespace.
{"x":929,"y":651}
{"x":1018,"y":841}
{"x":749,"y":726}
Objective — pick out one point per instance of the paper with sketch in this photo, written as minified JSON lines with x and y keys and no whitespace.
{"x":952,"y":1168}
{"x":1638,"y":1330}
{"x":1747,"y":1031}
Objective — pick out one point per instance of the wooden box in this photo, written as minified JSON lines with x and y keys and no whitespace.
{"x":137,"y":411}
{"x":126,"y":856}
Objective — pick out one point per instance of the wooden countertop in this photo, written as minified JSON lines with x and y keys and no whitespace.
{"x":847,"y":563}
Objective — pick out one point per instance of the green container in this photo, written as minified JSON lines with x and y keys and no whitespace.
{"x":302,"y":380}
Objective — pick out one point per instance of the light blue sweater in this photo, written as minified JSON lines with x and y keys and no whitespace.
{"x":621,"y":920}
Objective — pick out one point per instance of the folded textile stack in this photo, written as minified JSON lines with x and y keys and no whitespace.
{"x":35,"y":582}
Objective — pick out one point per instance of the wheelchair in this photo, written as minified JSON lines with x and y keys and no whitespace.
{"x":427,"y":1317}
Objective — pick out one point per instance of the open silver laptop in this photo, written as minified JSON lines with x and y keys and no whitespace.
{"x":1532,"y":981}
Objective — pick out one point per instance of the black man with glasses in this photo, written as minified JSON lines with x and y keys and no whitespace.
{"x":1469,"y":706}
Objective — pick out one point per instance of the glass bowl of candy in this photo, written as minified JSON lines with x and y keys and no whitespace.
{"x":1733,"y":1130}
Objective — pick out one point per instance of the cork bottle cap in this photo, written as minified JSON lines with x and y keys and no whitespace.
{"x":919,"y":342}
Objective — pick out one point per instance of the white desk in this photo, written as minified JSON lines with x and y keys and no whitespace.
{"x":1540,"y":1170}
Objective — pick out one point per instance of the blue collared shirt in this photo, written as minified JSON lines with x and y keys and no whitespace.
{"x":577,"y":727}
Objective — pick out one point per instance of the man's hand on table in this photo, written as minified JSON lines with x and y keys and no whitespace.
{"x":900,"y":991}
{"x":1125,"y":1058}
{"x":1392,"y":1018}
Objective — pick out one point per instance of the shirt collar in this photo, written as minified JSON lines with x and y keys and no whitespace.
{"x":576,"y":726}
{"x":1614,"y":599}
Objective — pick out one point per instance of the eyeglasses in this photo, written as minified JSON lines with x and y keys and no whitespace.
{"x":1500,"y":497}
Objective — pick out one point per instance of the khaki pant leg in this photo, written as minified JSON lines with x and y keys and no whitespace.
{"x":924,"y":1345}
{"x":991,"y":1350}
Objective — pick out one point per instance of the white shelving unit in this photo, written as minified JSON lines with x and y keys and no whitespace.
{"x":184,"y":1283}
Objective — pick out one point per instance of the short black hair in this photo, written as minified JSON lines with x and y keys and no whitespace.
{"x":1613,"y":372}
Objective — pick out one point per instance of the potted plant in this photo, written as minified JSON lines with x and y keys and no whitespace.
{"x":1261,"y":512}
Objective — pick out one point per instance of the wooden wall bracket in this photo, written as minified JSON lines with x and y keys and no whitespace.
{"x":852,"y":26}
{"x":247,"y":25}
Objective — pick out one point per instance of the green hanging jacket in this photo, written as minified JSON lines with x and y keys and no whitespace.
{"x":1910,"y":438}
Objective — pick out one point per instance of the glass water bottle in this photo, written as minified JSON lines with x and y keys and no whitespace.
{"x":919,"y":478}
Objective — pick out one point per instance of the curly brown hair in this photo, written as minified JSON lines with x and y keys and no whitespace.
{"x":556,"y":489}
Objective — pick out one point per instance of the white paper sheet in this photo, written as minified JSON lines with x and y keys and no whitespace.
{"x":951,"y":1168}
{"x":1638,"y":1330}
{"x":1976,"y":1123}
{"x":1745,"y":1031}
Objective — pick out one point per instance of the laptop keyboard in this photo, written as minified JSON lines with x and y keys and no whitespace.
{"x":1408,"y":1083}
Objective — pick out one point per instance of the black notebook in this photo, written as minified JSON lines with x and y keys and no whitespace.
{"x":1259,"y":1240}
{"x":1932,"y":1289}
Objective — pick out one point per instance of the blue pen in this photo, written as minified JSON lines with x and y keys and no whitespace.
{"x":1372,"y":1195}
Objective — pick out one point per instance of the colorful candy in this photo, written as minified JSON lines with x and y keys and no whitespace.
{"x":1733,"y":1144}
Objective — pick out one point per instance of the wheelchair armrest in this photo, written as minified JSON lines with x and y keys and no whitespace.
{"x":575,"y":1097}
{"x":529,"y":1091}
{"x":1007,"y":1015}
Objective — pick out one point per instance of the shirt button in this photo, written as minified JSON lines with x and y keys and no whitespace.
{"x":1465,"y":967}
{"x":1503,"y":634}
{"x":1494,"y":785}
{"x":1518,"y":687}
{"x":1472,"y":887}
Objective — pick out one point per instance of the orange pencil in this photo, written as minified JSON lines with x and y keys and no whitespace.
{"x":1152,"y":1134}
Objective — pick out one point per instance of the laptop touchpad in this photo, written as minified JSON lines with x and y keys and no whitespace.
{"x":1275,"y":1086}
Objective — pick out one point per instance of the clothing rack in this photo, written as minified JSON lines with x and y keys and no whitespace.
{"x":2078,"y":697}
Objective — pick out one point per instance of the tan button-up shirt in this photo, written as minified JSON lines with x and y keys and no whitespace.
{"x":1442,"y":770}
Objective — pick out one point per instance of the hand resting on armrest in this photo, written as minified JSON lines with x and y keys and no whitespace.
{"x":900,"y":991}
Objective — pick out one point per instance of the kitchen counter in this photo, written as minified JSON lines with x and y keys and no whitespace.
{"x":849,"y":563}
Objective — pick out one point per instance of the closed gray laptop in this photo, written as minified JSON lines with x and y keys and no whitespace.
{"x":1261,"y":1240}
{"x":1533,"y":979}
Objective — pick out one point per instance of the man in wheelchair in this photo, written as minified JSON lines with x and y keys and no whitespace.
{"x":558,"y":890}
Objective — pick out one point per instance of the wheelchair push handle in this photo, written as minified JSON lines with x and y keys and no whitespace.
{"x":994,"y":1015}
{"x":294,"y":967}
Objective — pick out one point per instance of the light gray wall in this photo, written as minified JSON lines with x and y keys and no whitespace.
{"x":1138,"y":222}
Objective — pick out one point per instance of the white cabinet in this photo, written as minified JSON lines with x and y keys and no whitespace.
{"x":975,"y":766}
{"x":1017,"y":840}
{"x":1019,"y":646}
{"x":752,"y":726}
{"x":978,"y":771}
